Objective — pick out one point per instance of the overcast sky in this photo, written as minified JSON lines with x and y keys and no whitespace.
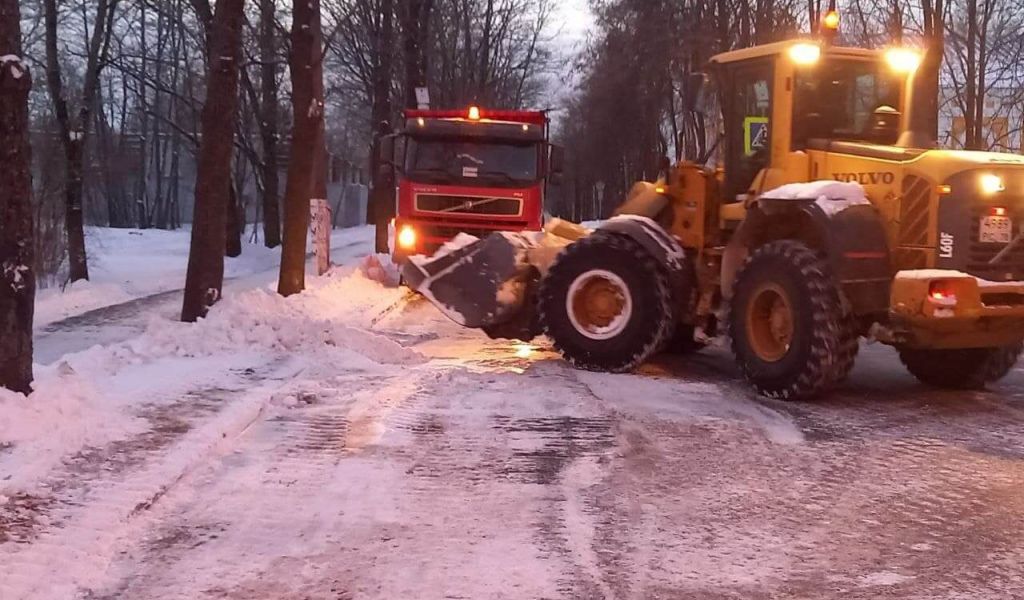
{"x":570,"y":23}
{"x":575,"y":18}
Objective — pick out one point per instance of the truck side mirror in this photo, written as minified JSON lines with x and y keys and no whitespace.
{"x":696,"y":84}
{"x":556,"y":164}
{"x":386,"y":158}
{"x":386,"y":151}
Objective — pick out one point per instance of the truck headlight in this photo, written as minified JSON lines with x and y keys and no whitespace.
{"x":990,"y":184}
{"x":407,"y":238}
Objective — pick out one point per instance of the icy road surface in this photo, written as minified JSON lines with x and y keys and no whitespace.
{"x":349,"y":443}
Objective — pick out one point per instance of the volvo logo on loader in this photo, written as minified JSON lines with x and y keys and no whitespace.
{"x":866,"y":178}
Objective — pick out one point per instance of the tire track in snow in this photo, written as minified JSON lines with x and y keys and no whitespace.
{"x":97,"y":494}
{"x":287,"y":464}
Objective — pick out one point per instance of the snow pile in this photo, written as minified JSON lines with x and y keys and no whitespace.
{"x":65,"y":412}
{"x":380,"y":268}
{"x":125,"y":264}
{"x":327,"y":316}
{"x":831,"y":196}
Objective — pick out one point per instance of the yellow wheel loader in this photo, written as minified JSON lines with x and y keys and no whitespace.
{"x":830,"y":219}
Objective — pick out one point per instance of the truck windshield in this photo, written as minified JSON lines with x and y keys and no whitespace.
{"x":836,"y":99}
{"x":472,"y":162}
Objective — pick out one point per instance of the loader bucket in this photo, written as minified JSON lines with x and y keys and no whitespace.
{"x":482,"y":284}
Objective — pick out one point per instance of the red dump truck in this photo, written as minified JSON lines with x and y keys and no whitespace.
{"x":472,"y":171}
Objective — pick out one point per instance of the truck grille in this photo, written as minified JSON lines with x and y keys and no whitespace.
{"x":979,"y":254}
{"x":469,"y":205}
{"x":447,"y":232}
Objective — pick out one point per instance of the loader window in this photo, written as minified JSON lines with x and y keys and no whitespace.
{"x":836,"y":99}
{"x":747,"y":113}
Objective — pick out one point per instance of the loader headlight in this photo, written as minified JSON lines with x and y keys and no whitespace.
{"x":902,"y":60}
{"x":990,"y":184}
{"x":805,"y":53}
{"x":407,"y":238}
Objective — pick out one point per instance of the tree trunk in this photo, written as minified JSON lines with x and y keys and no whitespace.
{"x":415,"y":34}
{"x":302,"y":162}
{"x":74,"y":135}
{"x":17,"y":279}
{"x":206,"y":255}
{"x":378,"y":205}
{"x":234,"y":224}
{"x":926,"y":79}
{"x":269,"y":125}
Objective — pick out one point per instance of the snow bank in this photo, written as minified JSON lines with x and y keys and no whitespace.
{"x":65,"y":412}
{"x":831,"y":196}
{"x":324,"y":317}
{"x":125,"y":264}
{"x":91,"y":398}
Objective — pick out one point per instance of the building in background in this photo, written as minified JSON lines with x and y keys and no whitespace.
{"x":1002,"y":124}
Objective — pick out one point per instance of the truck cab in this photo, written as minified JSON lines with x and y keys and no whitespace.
{"x":475,"y":171}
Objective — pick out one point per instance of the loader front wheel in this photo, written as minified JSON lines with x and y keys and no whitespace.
{"x":960,"y":369}
{"x":786,"y":323}
{"x":606,"y":303}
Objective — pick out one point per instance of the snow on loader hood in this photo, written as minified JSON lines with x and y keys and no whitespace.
{"x":831,"y":196}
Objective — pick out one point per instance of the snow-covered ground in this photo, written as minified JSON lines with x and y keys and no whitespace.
{"x":350,"y":442}
{"x":125,"y":264}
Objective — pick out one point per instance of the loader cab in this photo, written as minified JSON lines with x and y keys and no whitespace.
{"x":782,"y":101}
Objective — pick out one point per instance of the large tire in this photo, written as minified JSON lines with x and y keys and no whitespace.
{"x":789,"y":334}
{"x":963,"y":368}
{"x":601,"y":270}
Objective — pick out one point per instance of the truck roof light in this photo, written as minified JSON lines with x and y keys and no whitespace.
{"x":805,"y":53}
{"x":902,"y":60}
{"x":474,"y":113}
{"x":831,"y":20}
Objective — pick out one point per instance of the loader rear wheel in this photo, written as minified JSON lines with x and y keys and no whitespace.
{"x":789,"y":335}
{"x":960,"y":369}
{"x":606,"y":303}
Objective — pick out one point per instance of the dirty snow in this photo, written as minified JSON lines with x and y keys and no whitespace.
{"x":832,"y":197}
{"x":351,"y":442}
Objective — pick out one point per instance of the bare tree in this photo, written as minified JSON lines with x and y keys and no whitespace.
{"x":17,"y":275}
{"x":306,"y":160}
{"x":269,"y":124}
{"x":205,"y":275}
{"x":926,"y":80}
{"x":415,"y":21}
{"x":75,"y":133}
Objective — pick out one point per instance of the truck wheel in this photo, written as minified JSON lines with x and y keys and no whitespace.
{"x":960,"y":369}
{"x":606,"y":303}
{"x":789,"y":335}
